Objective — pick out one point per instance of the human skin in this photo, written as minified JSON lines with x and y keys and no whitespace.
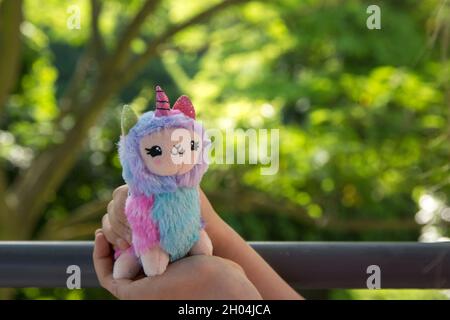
{"x":196,"y":277}
{"x":236,"y":271}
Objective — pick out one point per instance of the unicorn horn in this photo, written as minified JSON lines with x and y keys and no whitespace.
{"x":162,"y":103}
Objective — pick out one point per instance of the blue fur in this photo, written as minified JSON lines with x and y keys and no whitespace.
{"x":179,"y":221}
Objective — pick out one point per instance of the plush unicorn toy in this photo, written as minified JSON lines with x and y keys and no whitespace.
{"x":162,"y":158}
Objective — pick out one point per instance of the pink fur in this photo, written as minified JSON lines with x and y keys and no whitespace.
{"x":145,"y":231}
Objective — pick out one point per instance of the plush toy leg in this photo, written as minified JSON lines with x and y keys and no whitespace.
{"x":154,"y":261}
{"x":203,"y":245}
{"x":126,"y":266}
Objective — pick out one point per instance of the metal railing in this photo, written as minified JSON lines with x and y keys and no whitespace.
{"x":305,"y":265}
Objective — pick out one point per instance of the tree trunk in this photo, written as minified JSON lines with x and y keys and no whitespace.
{"x":10,"y":45}
{"x":7,"y":293}
{"x":35,"y":187}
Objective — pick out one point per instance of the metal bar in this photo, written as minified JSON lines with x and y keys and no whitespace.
{"x":305,"y":265}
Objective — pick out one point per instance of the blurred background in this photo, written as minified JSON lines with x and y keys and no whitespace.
{"x":363,"y":115}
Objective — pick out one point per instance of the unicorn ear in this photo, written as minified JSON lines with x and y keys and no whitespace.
{"x":184,"y":104}
{"x":128,"y":119}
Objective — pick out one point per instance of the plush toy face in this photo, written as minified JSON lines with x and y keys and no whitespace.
{"x":171,"y":151}
{"x":163,"y":150}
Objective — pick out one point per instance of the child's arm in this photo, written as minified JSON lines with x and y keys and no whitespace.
{"x":228,"y":244}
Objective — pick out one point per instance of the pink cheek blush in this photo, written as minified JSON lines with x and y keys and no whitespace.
{"x":158,"y":162}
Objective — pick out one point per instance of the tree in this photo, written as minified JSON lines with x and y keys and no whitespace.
{"x":23,"y":201}
{"x":363,"y":114}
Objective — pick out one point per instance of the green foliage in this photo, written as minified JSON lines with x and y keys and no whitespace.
{"x":384,"y":294}
{"x":363,"y":116}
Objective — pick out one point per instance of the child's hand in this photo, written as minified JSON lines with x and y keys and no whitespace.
{"x":247,"y":272}
{"x":213,"y":278}
{"x":193,"y":277}
{"x":115,"y":226}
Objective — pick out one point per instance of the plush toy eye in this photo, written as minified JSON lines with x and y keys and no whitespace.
{"x":194,"y":145}
{"x":154,"y":151}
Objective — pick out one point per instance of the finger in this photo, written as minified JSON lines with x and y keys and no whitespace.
{"x":108,"y":231}
{"x":122,"y":244}
{"x":117,"y":216}
{"x":180,"y":277}
{"x":103,"y":264}
{"x":123,"y":231}
{"x":120,"y":190}
{"x":103,"y":261}
{"x":112,"y":236}
{"x":118,"y":219}
{"x":120,"y":199}
{"x":109,"y":208}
